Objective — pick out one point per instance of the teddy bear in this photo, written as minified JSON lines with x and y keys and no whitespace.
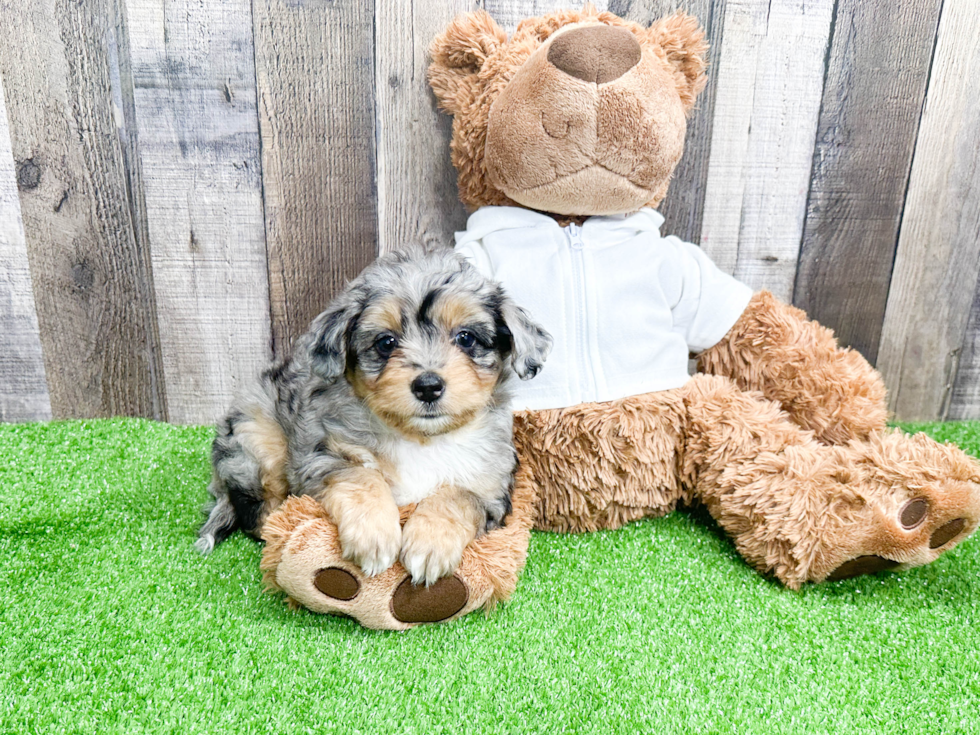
{"x":565,"y":137}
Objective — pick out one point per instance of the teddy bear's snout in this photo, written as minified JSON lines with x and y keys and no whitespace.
{"x":595,"y":54}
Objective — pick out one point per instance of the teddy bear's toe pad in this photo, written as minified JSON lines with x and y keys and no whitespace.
{"x":946,"y":533}
{"x":914,"y":513}
{"x":861,"y":565}
{"x":337,"y":583}
{"x":440,"y":601}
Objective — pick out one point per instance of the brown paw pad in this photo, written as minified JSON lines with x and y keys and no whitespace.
{"x":946,"y":533}
{"x":913,"y":513}
{"x":445,"y":598}
{"x":861,"y":565}
{"x":337,"y":583}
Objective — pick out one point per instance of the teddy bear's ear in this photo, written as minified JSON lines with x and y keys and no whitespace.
{"x":458,"y":54}
{"x":682,"y":40}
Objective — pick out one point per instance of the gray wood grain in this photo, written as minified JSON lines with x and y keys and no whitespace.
{"x":195,"y":107}
{"x":938,"y":257}
{"x":315,"y":72}
{"x":770,"y":83}
{"x":683,"y":209}
{"x":876,"y":81}
{"x":90,"y":268}
{"x":23,"y":388}
{"x":509,"y":13}
{"x":965,"y":401}
{"x":417,"y":195}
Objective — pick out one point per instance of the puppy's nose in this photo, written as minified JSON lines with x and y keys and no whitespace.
{"x":428,"y":387}
{"x":597,"y":54}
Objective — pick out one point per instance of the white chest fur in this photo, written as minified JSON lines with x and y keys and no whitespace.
{"x":459,"y":459}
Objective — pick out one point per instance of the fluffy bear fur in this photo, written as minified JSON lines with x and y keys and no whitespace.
{"x":474,"y":68}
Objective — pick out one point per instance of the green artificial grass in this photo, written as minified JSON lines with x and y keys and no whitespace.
{"x":111,"y":622}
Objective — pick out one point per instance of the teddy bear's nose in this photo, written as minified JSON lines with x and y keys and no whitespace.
{"x":597,"y":54}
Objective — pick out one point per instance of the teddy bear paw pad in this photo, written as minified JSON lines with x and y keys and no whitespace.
{"x":861,"y":565}
{"x":421,"y":604}
{"x":923,"y":532}
{"x":946,"y":533}
{"x":337,"y":583}
{"x":914,"y":513}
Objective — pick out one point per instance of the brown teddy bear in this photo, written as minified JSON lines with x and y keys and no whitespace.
{"x":565,"y":137}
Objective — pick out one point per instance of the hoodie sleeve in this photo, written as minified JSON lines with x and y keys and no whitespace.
{"x":711,"y":301}
{"x":474,"y":252}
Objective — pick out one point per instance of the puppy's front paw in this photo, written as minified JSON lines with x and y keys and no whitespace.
{"x":370,"y":534}
{"x":431,"y":549}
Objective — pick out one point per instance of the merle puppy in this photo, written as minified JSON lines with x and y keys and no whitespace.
{"x":397,"y":394}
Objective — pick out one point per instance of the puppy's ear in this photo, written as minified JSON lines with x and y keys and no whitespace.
{"x":330,"y":337}
{"x":527,"y":342}
{"x":682,"y":40}
{"x":458,"y":54}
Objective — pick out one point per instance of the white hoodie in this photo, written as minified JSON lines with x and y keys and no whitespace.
{"x":624,"y":305}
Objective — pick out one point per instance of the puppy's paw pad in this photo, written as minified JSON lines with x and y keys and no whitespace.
{"x":432,"y":604}
{"x":337,"y":583}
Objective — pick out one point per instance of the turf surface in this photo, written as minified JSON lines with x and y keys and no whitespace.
{"x":110,"y":622}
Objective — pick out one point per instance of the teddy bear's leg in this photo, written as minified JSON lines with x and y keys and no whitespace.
{"x":775,"y":349}
{"x":808,"y":511}
{"x":600,"y":465}
{"x":302,"y":558}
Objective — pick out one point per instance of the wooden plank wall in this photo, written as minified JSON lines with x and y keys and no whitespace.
{"x":79,"y":192}
{"x":193,"y":78}
{"x":184,"y":184}
{"x":23,"y":388}
{"x":877,"y":71}
{"x":938,"y":257}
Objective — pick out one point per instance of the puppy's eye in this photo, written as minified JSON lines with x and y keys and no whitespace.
{"x":386,"y":344}
{"x":465,"y":340}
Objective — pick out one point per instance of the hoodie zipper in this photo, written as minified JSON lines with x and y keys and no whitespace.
{"x":587,"y":380}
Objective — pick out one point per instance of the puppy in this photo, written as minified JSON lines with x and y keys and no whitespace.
{"x":397,"y":394}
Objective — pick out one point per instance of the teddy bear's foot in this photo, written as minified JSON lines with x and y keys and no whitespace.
{"x":917,"y":500}
{"x":302,"y":558}
{"x":805,"y":511}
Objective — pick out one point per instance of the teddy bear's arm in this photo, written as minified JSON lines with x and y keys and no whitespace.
{"x":773,"y":348}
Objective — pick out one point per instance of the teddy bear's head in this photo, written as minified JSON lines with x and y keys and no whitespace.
{"x":579,"y":113}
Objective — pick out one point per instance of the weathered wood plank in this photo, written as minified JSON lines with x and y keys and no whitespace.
{"x":417,"y":196}
{"x":938,"y":258}
{"x":877,"y":73}
{"x":735,"y":74}
{"x":23,"y":389}
{"x":683,"y":209}
{"x":770,"y":82}
{"x":90,"y":270}
{"x":508,"y":13}
{"x":965,"y":401}
{"x":315,"y":72}
{"x":195,"y":107}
